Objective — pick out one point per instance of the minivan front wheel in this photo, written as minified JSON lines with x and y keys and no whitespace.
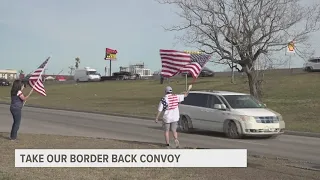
{"x":232,"y":131}
{"x":309,"y":69}
{"x":184,"y":124}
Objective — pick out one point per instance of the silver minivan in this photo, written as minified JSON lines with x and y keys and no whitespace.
{"x":235,"y":114}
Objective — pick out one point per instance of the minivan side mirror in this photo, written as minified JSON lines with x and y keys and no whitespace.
{"x":217,"y":106}
{"x":220,"y":106}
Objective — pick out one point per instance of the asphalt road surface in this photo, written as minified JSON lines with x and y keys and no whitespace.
{"x":46,"y":121}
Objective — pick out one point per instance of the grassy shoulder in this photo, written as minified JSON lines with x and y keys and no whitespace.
{"x":295,"y":96}
{"x":257,"y":167}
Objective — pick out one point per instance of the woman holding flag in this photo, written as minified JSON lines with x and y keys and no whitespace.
{"x":17,"y":100}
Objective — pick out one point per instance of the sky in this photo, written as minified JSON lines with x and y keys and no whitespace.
{"x":32,"y":30}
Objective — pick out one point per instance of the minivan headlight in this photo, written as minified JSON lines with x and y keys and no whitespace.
{"x":246,"y":118}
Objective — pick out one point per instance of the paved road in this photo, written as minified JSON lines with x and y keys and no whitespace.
{"x":39,"y":121}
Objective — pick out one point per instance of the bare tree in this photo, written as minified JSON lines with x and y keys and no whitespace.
{"x":252,"y":27}
{"x":71,"y":69}
{"x":77,"y":61}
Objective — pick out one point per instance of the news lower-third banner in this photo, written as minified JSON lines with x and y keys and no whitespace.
{"x":130,"y":158}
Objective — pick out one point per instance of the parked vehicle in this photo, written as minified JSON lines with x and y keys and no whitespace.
{"x":4,"y":82}
{"x":206,"y":73}
{"x":124,"y":75}
{"x":86,"y":75}
{"x":312,"y":65}
{"x":203,"y":73}
{"x":235,"y":114}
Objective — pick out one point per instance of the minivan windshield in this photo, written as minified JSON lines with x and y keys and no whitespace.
{"x":243,"y":101}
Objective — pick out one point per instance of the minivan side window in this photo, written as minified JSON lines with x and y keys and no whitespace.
{"x":314,"y":60}
{"x":188,"y":100}
{"x":195,"y":99}
{"x":214,"y":100}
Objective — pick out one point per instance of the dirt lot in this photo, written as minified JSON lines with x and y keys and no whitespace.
{"x":258,"y":167}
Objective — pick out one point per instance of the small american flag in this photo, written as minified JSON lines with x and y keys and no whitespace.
{"x":172,"y":103}
{"x":35,"y":79}
{"x":174,"y":62}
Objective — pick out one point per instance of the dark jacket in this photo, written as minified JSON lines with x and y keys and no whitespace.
{"x":16,"y":102}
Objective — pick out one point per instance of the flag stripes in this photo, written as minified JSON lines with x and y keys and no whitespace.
{"x":174,"y":62}
{"x":36,"y":81}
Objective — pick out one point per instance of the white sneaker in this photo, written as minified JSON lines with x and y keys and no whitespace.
{"x":177,"y":143}
{"x":168,"y":146}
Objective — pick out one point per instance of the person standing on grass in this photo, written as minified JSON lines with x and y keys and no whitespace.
{"x":17,"y":99}
{"x":169,"y":105}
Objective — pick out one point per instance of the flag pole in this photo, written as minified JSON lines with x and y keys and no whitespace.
{"x":28,"y":95}
{"x":186,"y":75}
{"x":36,"y":81}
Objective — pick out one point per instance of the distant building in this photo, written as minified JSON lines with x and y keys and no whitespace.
{"x":138,"y":69}
{"x":9,"y":74}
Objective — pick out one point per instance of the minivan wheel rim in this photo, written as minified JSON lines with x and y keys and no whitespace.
{"x":232,"y":131}
{"x":184,"y":125}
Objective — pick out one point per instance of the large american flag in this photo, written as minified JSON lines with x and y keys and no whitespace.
{"x":36,"y":81}
{"x":174,"y":62}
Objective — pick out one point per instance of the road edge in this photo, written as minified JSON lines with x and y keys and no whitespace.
{"x":287,"y":132}
{"x":161,"y":145}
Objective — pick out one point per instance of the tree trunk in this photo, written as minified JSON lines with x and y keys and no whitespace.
{"x":161,"y":79}
{"x":253,"y":85}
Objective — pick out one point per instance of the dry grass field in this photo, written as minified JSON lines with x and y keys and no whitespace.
{"x":295,"y":96}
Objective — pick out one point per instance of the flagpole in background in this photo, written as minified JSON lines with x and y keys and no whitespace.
{"x":37,"y":80}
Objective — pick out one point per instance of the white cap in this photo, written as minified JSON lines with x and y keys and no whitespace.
{"x":168,"y":89}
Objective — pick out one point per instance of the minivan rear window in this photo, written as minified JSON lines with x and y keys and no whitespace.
{"x":196,"y":99}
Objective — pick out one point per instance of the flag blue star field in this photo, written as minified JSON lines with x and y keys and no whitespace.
{"x":164,"y":103}
{"x":198,"y":61}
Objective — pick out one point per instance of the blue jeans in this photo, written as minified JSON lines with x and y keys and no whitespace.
{"x":16,"y":114}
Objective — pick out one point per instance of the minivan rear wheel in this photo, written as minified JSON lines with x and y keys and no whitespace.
{"x":232,"y":131}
